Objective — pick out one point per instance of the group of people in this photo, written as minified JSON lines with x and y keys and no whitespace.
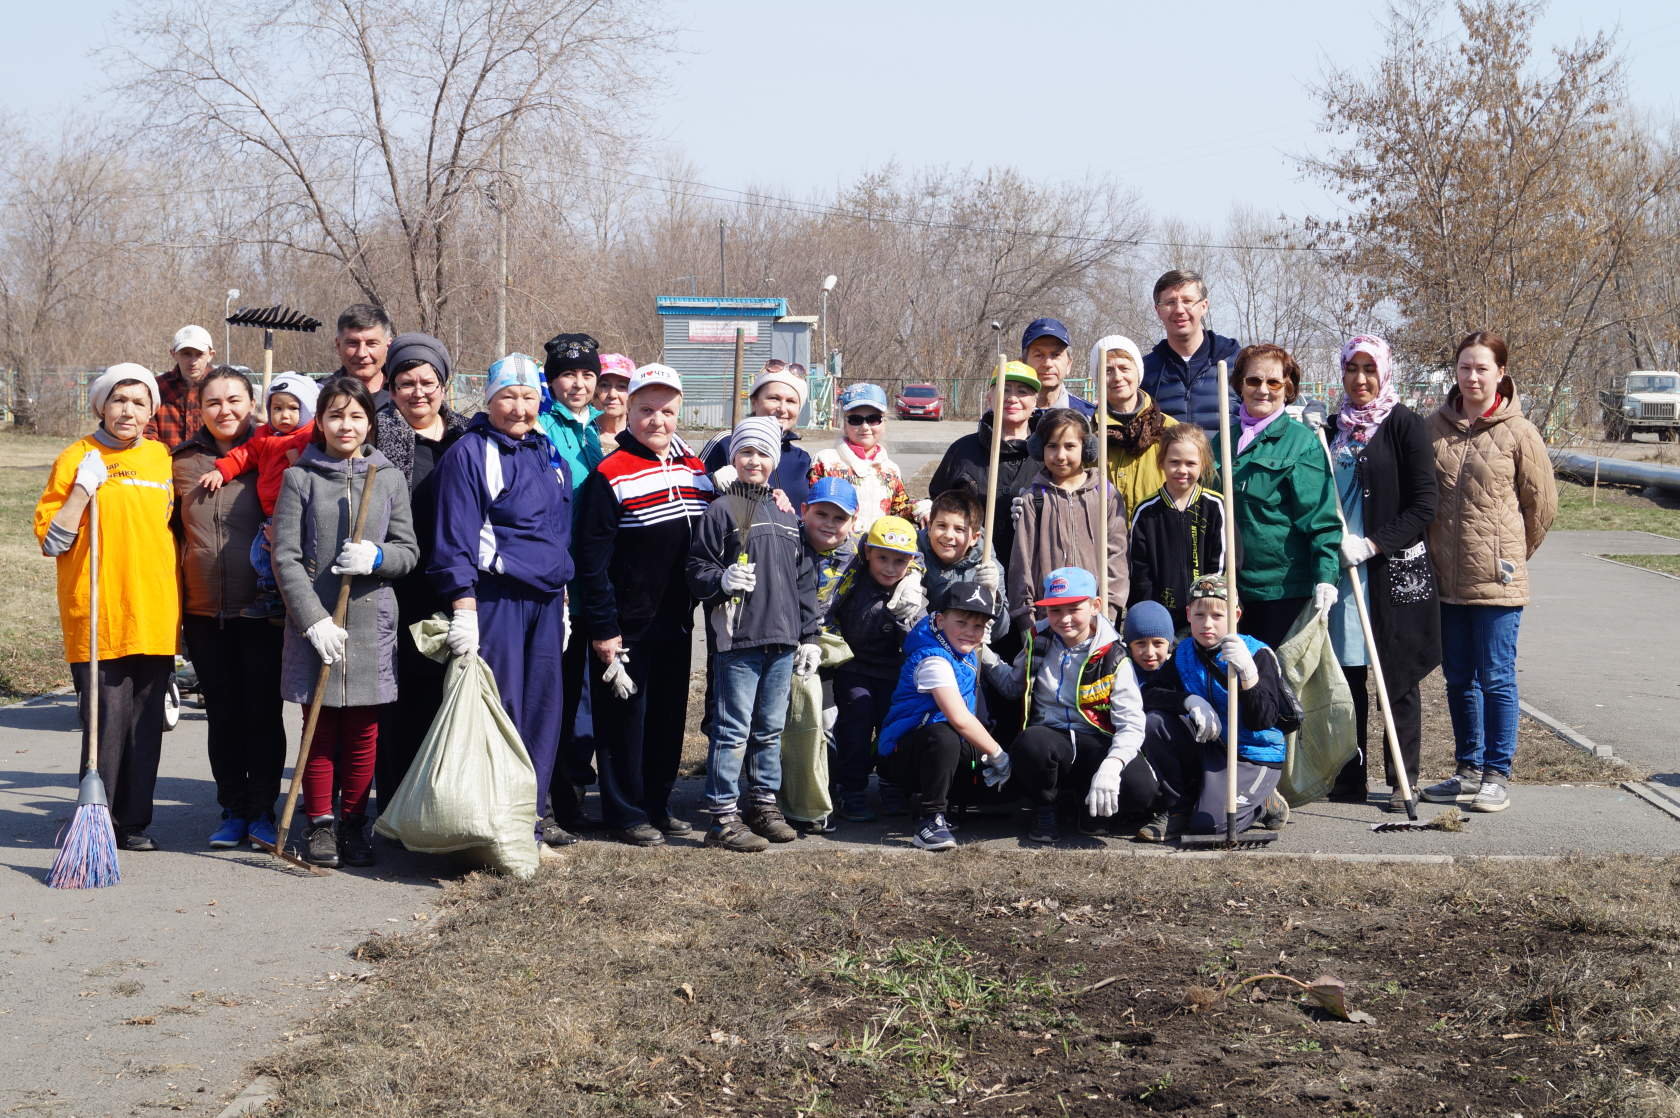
{"x":567,"y":533}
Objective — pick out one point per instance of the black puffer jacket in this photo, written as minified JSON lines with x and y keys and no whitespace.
{"x":965,"y":464}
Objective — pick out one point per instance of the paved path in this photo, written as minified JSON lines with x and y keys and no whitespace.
{"x":1596,"y":650}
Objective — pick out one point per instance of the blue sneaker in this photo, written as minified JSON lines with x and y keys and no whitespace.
{"x":230,"y":834}
{"x":854,"y":808}
{"x":934,"y":834}
{"x":893,"y":799}
{"x":263,"y":829}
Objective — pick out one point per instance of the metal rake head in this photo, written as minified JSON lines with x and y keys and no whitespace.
{"x":277,"y":317}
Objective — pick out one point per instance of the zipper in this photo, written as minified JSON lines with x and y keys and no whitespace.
{"x":350,"y":515}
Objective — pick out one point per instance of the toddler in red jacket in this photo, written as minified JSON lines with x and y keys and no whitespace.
{"x":274,"y":447}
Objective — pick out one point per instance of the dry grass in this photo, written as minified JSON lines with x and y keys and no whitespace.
{"x":31,"y":648}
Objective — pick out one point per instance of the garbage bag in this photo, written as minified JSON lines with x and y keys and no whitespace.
{"x":1325,"y":741}
{"x":804,"y":792}
{"x":472,"y":789}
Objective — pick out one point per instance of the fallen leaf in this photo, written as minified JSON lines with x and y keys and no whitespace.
{"x":686,"y":992}
{"x":141,"y":1021}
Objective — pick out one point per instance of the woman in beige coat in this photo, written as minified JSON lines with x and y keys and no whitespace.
{"x":1497,"y":501}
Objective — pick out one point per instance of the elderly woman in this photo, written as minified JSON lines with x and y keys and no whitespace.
{"x":778,"y":392}
{"x":1285,"y":501}
{"x":237,"y":658}
{"x":414,"y":431}
{"x":502,"y":557}
{"x":1134,"y":422}
{"x":1498,"y":500}
{"x":139,"y":609}
{"x":1385,"y":479}
{"x":860,"y":456}
{"x":612,"y":399}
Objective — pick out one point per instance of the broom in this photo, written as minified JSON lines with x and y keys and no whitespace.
{"x":88,"y":858}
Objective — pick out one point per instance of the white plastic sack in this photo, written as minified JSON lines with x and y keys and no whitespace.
{"x":472,"y":789}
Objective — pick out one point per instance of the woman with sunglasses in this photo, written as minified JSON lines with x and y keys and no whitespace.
{"x":860,"y":456}
{"x":1289,"y":536}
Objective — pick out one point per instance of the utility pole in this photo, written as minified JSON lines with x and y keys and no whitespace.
{"x":723,"y":286}
{"x":501,"y":247}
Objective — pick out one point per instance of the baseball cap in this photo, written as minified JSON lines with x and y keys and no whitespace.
{"x":892,"y":533}
{"x":864,"y":396}
{"x":1210,"y":586}
{"x":649,"y":376}
{"x":965,"y":595}
{"x":192,"y":337}
{"x":1021,"y":373}
{"x":1067,"y":585}
{"x":836,"y":491}
{"x":617,"y":365}
{"x":1045,"y":328}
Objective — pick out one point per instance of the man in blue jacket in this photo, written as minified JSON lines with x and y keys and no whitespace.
{"x":1044,"y":346}
{"x":1181,"y":373}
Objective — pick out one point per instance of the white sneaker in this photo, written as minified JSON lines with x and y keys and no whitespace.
{"x":1491,"y":796}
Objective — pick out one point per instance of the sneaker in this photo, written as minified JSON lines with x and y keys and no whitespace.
{"x":1093,"y":826}
{"x":1459,"y":788}
{"x":1492,"y":795}
{"x":933,"y":834}
{"x":730,"y":833}
{"x":672,"y":827}
{"x":1155,"y":830}
{"x":553,"y":834}
{"x":266,"y":604}
{"x":854,"y":808}
{"x":320,"y":845}
{"x":640,"y":834}
{"x":1044,"y":826}
{"x":893,"y":799}
{"x":137,"y":842}
{"x":823,"y":826}
{"x":263,"y":829}
{"x":1395,"y":802}
{"x":767,"y":821}
{"x":354,"y":847}
{"x":1274,"y":813}
{"x":230,"y":834}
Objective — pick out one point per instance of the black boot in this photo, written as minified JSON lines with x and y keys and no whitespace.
{"x":354,"y":848}
{"x":319,"y":844}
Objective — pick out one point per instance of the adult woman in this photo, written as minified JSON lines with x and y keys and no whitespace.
{"x":612,"y":398}
{"x":967,"y":460}
{"x":1385,"y":478}
{"x":860,"y":456}
{"x":1134,"y":424}
{"x":778,"y":392}
{"x":1498,"y":500}
{"x":414,"y":431}
{"x":139,"y":612}
{"x":502,"y":556}
{"x":1285,"y":502}
{"x":237,"y":658}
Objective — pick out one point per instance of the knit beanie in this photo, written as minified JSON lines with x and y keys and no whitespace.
{"x":301,"y":388}
{"x":1148,"y":619}
{"x":406,"y":349}
{"x":1099,"y":356}
{"x":779,"y":373}
{"x":571,"y":352}
{"x":100,"y":390}
{"x":760,"y":432}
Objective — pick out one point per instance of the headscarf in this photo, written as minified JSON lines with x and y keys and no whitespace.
{"x":516,"y":370}
{"x":406,"y":349}
{"x":1357,"y":425}
{"x":100,"y":390}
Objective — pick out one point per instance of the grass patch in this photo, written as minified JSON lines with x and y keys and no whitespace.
{"x":31,"y":647}
{"x":1664,"y":564}
{"x":1618,"y":510}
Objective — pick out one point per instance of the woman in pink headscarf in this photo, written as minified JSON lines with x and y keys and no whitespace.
{"x":1385,"y":477}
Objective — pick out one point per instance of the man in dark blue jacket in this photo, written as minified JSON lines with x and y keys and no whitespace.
{"x":1181,"y":373}
{"x":1044,"y":346}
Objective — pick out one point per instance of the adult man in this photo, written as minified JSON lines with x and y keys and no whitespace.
{"x":1181,"y":372}
{"x":778,"y":392}
{"x":1044,"y":346}
{"x":176,"y":418}
{"x":364,"y":334}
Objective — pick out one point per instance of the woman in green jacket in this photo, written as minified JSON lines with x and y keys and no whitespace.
{"x":1285,"y":503}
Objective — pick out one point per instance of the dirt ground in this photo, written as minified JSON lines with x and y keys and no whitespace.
{"x":1051,"y":984}
{"x":31,"y":652}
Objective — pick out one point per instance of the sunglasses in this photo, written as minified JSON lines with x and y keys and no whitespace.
{"x":1267,"y":382}
{"x":853,"y":419}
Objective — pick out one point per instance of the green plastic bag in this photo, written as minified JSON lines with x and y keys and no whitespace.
{"x":1325,"y":741}
{"x":804,"y":792}
{"x":472,"y":789}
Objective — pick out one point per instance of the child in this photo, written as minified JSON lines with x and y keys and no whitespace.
{"x":1173,"y":721}
{"x":275,"y":446}
{"x":864,"y":617}
{"x":318,"y":503}
{"x":1085,"y":717}
{"x":827,"y":532}
{"x":1060,"y":514}
{"x":749,"y":567}
{"x":860,"y":456}
{"x":1178,"y":535}
{"x":952,"y":550}
{"x":930,"y":729}
{"x":1265,"y":711}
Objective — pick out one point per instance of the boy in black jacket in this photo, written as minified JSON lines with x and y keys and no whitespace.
{"x":1174,"y":722}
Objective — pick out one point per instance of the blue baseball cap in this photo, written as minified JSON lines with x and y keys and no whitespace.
{"x":836,"y":491}
{"x":1066,"y":585}
{"x":864,"y":396}
{"x":1045,"y":328}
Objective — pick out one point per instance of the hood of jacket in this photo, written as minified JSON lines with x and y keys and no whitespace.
{"x":562,"y":415}
{"x":1508,"y":406}
{"x":1042,"y":479}
{"x":481,"y":424}
{"x":318,"y":461}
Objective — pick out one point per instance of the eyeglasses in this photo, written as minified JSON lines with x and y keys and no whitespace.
{"x":1179,"y":304}
{"x":853,"y":419}
{"x":1263,"y":382}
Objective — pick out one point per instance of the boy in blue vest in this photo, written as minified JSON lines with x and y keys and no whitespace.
{"x":1263,"y":707}
{"x":931,"y":731}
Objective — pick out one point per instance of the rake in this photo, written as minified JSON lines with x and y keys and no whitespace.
{"x":270,"y":319}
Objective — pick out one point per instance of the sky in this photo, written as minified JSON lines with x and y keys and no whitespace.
{"x":1195,"y":107}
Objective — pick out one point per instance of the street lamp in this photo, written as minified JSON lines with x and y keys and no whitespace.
{"x":822,"y":321}
{"x":227,"y":331}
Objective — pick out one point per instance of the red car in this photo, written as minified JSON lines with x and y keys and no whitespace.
{"x":920,"y":401}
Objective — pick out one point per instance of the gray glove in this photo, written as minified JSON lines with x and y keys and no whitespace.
{"x":1104,"y":796}
{"x":740,"y":578}
{"x":90,"y":471}
{"x":989,"y":574}
{"x":996,"y":766}
{"x":1016,"y":504}
{"x":906,"y":604}
{"x":1201,"y":718}
{"x":806,"y":658}
{"x":1314,"y":415}
{"x":1237,"y":656}
{"x":1324,"y":596}
{"x":1357,"y":550}
{"x":617,"y":676}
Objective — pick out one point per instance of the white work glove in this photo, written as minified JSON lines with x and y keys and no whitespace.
{"x":617,"y":676}
{"x":923,"y":510}
{"x":1237,"y":656}
{"x":988,"y":658}
{"x":905,"y":604}
{"x":1357,"y":550}
{"x":329,"y":640}
{"x":739,"y":578}
{"x":723,"y":477}
{"x":1016,"y":504}
{"x":989,"y":574}
{"x":1104,"y":797}
{"x":1324,"y":596}
{"x":806,"y":658}
{"x":1315,"y":415}
{"x":566,"y":630}
{"x":996,"y":766}
{"x":1200,"y":718}
{"x":357,"y":557}
{"x":463,"y":632}
{"x":90,"y":471}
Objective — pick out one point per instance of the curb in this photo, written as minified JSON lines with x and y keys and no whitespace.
{"x":1569,"y":734}
{"x":256,"y":1096}
{"x":1659,"y":796}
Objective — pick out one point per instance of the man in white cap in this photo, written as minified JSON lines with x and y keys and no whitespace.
{"x":779,"y":392}
{"x":176,"y":418}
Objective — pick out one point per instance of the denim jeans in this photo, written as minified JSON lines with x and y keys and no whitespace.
{"x":1479,"y":661}
{"x":262,"y":562}
{"x":751,"y":697}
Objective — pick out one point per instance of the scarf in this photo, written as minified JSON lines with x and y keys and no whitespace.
{"x":1356,"y":425}
{"x":872,"y":475}
{"x":1251,"y":427}
{"x":1138,"y":430}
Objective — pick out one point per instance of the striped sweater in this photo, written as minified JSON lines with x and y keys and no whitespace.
{"x":634,"y":529}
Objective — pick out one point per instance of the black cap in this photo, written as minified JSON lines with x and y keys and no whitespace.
{"x":970,"y":596}
{"x":567,"y":352}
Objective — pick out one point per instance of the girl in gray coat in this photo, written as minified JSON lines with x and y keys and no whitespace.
{"x":313,"y":519}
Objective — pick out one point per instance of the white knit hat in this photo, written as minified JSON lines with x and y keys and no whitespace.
{"x":102,"y":385}
{"x":300,"y":388}
{"x":783,"y":374}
